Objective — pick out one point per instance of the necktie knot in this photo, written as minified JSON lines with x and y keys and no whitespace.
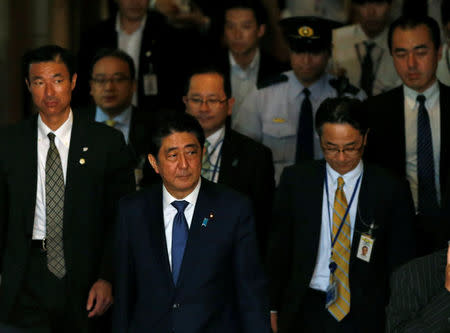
{"x":421,"y":99}
{"x":207,"y":144}
{"x":180,"y":205}
{"x":51,"y":137}
{"x":341,"y":182}
{"x":111,"y":122}
{"x":306,"y":92}
{"x":369,"y":47}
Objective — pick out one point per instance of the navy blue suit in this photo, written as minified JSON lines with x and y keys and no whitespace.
{"x":221,"y":287}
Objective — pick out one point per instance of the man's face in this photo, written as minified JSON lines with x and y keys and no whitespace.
{"x":179,"y":163}
{"x":372,"y":16}
{"x":112,"y":87}
{"x":309,"y":67}
{"x":415,"y":57}
{"x":242,"y":32}
{"x":133,"y":10}
{"x":51,"y":88}
{"x":342,"y":146}
{"x":213,"y":113}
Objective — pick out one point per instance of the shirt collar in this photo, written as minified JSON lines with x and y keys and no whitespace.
{"x":296,"y":88}
{"x":62,"y":133}
{"x":429,"y":94}
{"x":349,"y":178}
{"x":214,"y":138}
{"x":119,"y":28}
{"x":191,"y":197}
{"x":122,"y":118}
{"x":254,"y":64}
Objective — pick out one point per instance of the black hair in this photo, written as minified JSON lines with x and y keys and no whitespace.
{"x":48,"y":53}
{"x":254,"y":5}
{"x":114,"y":53}
{"x":445,"y":11}
{"x":342,"y":110}
{"x":210,"y":69}
{"x":170,"y":122}
{"x":363,"y":2}
{"x":410,"y":22}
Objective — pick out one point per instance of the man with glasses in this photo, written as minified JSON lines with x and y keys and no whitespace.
{"x":231,"y":158}
{"x":112,"y":88}
{"x":326,"y":213}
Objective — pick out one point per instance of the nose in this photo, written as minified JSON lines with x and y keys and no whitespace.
{"x":340,"y":156}
{"x":109,"y":84}
{"x":49,"y":90}
{"x":204,"y":106}
{"x":370,"y":9}
{"x":411,"y":60}
{"x":182,"y":161}
{"x":306,"y":59}
{"x":237,"y":33}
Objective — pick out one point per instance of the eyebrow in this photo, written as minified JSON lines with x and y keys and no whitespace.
{"x":417,"y":47}
{"x":191,"y":145}
{"x":345,"y":145}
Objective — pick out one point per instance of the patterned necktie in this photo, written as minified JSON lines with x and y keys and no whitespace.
{"x":180,"y":233}
{"x":206,"y":163}
{"x":427,"y":203}
{"x":111,"y":122}
{"x":367,"y":74}
{"x":341,"y":255}
{"x":54,"y":204}
{"x":305,"y":133}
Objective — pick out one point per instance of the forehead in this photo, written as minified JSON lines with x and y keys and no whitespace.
{"x":240,"y":14}
{"x":209,"y":83}
{"x":110,"y":65}
{"x":341,"y":132}
{"x":418,"y":35}
{"x":178,"y":140}
{"x":48,"y":68}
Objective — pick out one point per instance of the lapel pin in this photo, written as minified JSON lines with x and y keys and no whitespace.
{"x":205,"y":222}
{"x":82,"y":161}
{"x":85,"y":148}
{"x":148,"y":53}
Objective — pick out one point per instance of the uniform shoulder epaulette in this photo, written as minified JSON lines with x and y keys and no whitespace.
{"x":272,"y":80}
{"x":343,"y":86}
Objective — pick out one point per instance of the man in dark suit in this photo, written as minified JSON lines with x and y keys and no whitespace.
{"x":321,"y":279}
{"x":231,"y":158}
{"x":420,"y":298}
{"x":243,"y":61}
{"x":112,"y":88}
{"x":60,"y":179}
{"x":152,"y":44}
{"x":187,"y":254}
{"x":409,"y":125}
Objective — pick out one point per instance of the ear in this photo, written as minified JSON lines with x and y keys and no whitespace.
{"x":153,"y":162}
{"x":439,"y":54}
{"x":230,"y":105}
{"x":134,"y":86}
{"x":365,"y":137}
{"x":74,"y":81}
{"x":28,"y":85}
{"x":261,"y":30}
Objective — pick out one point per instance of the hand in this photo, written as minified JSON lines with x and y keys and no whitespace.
{"x":100,"y":295}
{"x":447,"y":271}
{"x":273,"y":321}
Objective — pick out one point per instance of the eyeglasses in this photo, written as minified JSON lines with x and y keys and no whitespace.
{"x":210,"y":102}
{"x":102,"y":81}
{"x":348,"y":152}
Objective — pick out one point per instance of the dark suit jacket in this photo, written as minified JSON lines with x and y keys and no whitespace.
{"x":221,"y":287}
{"x":92,"y":190}
{"x":247,"y":167}
{"x":419,"y":301}
{"x":382,"y":200}
{"x":160,"y":48}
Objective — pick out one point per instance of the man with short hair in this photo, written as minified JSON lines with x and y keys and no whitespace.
{"x":230,"y":157}
{"x":61,"y":176}
{"x":361,"y":49}
{"x":186,"y":249}
{"x":243,"y":61}
{"x":409,"y":124}
{"x":280,"y":113}
{"x":325,"y":212}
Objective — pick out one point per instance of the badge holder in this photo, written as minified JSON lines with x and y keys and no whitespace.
{"x":332,"y":291}
{"x":150,"y":82}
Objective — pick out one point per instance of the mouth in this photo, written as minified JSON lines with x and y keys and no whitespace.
{"x":109,"y":98}
{"x":51,"y":104}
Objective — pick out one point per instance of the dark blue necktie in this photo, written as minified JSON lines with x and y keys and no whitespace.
{"x":367,"y":74}
{"x":305,"y":131}
{"x":428,"y":204}
{"x":180,"y":233}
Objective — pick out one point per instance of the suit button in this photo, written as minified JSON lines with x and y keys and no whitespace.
{"x":176,"y":306}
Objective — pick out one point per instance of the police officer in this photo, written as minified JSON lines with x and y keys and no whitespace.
{"x":280,"y":112}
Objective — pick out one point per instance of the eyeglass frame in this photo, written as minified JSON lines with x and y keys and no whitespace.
{"x":199,"y":101}
{"x":113,"y":80}
{"x":349,"y":152}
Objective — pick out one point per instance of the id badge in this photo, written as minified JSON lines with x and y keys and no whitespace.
{"x":150,"y":84}
{"x":331,"y":295}
{"x":365,"y":247}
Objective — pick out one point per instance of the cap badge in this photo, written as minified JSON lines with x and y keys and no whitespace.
{"x":306,"y":31}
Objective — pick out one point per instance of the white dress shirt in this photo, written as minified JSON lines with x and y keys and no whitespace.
{"x":123,"y":120}
{"x":243,"y":80}
{"x":411,"y":112}
{"x":62,"y":143}
{"x":170,"y":211}
{"x":214,"y":154}
{"x":321,"y":276}
{"x":131,"y":44}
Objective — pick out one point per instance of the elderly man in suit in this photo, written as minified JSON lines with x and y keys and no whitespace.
{"x":60,"y":179}
{"x":409,"y":125}
{"x":186,"y":250}
{"x":230,"y":158}
{"x":326,"y":212}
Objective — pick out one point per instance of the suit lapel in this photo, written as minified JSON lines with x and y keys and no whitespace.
{"x":398,"y":121}
{"x":30,"y":158}
{"x":228,"y":158}
{"x":444,"y":104}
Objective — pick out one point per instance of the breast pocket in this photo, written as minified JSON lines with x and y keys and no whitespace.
{"x":280,"y":135}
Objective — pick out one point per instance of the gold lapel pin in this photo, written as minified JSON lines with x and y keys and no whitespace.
{"x":82,"y":161}
{"x":85,"y":148}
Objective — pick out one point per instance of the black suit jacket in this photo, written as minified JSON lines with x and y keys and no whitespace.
{"x":221,"y":287}
{"x":91,"y":193}
{"x":247,"y":167}
{"x":419,"y":301}
{"x":160,"y":47}
{"x":382,"y":200}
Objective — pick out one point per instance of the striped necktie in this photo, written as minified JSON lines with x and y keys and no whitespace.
{"x":341,"y":255}
{"x":206,"y":163}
